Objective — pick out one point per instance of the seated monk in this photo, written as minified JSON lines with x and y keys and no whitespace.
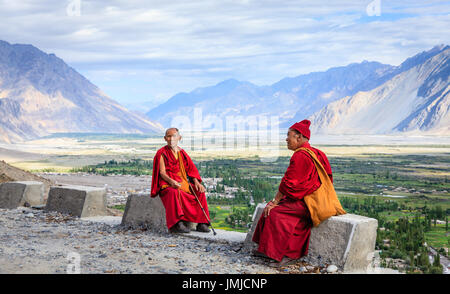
{"x":283,"y":231}
{"x":172,"y":170}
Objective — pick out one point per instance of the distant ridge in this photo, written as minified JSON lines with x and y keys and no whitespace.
{"x":317,"y":95}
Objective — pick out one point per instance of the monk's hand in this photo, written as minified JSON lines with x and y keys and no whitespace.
{"x":199,"y":187}
{"x":268,"y":208}
{"x":175,"y":184}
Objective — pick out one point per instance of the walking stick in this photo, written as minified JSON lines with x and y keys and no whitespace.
{"x":209,"y":222}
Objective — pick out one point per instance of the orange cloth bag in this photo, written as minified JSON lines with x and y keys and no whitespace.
{"x":323,"y":202}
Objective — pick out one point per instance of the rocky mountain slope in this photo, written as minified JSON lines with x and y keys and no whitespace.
{"x":40,"y":94}
{"x":416,"y":100}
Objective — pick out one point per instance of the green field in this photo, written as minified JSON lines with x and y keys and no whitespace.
{"x":219,"y":213}
{"x":438,"y":237}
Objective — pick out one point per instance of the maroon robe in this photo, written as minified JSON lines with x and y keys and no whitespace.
{"x":286,"y":231}
{"x":179,"y":205}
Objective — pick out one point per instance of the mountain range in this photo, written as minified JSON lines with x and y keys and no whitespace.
{"x":416,"y":100}
{"x":360,"y":98}
{"x":40,"y":94}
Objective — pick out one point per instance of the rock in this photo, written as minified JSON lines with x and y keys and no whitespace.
{"x":29,"y":214}
{"x":332,"y":268}
{"x":78,"y":201}
{"x":144,"y":211}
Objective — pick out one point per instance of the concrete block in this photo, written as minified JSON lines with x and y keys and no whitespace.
{"x":34,"y":193}
{"x":347,"y":241}
{"x":143,"y":211}
{"x":248,"y":243}
{"x":21,"y":193}
{"x":78,"y":201}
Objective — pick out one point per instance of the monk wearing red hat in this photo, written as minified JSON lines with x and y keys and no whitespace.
{"x":172,"y":167}
{"x":283,"y":231}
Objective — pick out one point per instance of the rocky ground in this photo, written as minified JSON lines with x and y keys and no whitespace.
{"x":34,"y":241}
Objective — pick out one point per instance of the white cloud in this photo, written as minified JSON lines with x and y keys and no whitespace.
{"x":193,"y":43}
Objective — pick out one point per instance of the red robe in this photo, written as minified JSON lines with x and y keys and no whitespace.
{"x":286,"y":231}
{"x":179,"y":205}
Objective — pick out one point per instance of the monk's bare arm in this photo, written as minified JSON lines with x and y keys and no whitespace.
{"x":164,"y":176}
{"x":277,"y":198}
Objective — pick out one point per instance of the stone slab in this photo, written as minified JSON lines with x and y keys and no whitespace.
{"x":222,"y":236}
{"x":143,"y":211}
{"x":108,"y":220}
{"x":81,"y":201}
{"x":248,"y":243}
{"x":21,"y":193}
{"x":34,"y":193}
{"x":347,"y":241}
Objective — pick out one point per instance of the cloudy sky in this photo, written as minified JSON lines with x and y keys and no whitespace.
{"x":147,"y":51}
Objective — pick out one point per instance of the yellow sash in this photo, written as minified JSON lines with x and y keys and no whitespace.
{"x":323,"y":202}
{"x":184,"y":182}
{"x":182,"y":174}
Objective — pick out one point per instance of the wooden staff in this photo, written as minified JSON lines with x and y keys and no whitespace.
{"x":209,"y":222}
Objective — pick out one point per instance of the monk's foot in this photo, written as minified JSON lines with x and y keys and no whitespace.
{"x":258,"y":254}
{"x":180,"y":227}
{"x":203,"y":228}
{"x":284,"y":262}
{"x":187,"y":225}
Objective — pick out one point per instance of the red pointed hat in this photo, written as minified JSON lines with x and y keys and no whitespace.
{"x":303,"y":128}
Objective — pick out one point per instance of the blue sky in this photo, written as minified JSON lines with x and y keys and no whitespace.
{"x":147,"y":51}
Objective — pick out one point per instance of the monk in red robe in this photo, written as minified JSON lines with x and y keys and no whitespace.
{"x":172,"y":171}
{"x":284,"y":228}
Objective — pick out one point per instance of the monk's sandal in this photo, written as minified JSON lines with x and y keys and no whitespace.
{"x":203,"y":228}
{"x":284,"y":262}
{"x":180,"y":227}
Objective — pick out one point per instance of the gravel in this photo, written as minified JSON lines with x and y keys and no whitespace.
{"x":44,"y":243}
{"x":34,"y":241}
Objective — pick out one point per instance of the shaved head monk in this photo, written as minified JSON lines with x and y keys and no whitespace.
{"x":172,"y":179}
{"x":283,"y":231}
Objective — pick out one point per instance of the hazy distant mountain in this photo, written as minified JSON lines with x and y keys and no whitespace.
{"x":314,"y":95}
{"x":40,"y":94}
{"x":290,"y":98}
{"x":416,"y":99}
